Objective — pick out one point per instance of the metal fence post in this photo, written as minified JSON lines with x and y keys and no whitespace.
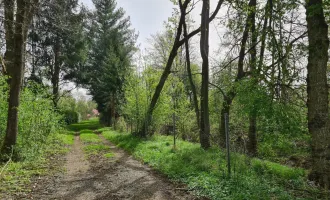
{"x":227,"y":141}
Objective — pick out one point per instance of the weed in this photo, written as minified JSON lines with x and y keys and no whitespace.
{"x":109,"y":155}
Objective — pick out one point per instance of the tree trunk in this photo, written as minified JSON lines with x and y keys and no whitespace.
{"x":252,"y":144}
{"x":192,"y":85}
{"x":56,"y":72}
{"x":204,"y":136}
{"x":317,"y":90}
{"x":167,"y":70}
{"x":15,"y":30}
{"x":240,"y":75}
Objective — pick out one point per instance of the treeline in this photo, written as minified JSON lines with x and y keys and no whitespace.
{"x":48,"y":45}
{"x":259,"y":78}
{"x":276,"y":98}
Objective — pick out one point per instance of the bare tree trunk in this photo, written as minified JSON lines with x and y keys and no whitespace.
{"x":252,"y":144}
{"x":264,"y":35}
{"x":15,"y":50}
{"x":9,"y":34}
{"x":317,"y":90}
{"x":204,"y":136}
{"x":192,"y":84}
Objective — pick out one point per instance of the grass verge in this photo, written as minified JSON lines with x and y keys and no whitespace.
{"x":15,"y":177}
{"x":205,"y":174}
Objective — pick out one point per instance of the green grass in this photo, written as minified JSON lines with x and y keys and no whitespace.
{"x":67,"y":139}
{"x":108,"y":155}
{"x":16,"y":176}
{"x":91,"y":124}
{"x":205,"y":171}
{"x":86,"y":131}
{"x":95,"y":149}
{"x":90,"y":138}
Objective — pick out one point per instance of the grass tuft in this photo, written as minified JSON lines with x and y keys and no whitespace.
{"x":95,"y":149}
{"x":89,"y":138}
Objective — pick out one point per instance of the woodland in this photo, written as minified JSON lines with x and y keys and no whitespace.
{"x":248,"y":122}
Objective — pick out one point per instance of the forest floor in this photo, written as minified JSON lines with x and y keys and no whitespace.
{"x":114,"y":175}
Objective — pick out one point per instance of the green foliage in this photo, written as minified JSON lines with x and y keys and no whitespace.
{"x":91,"y":124}
{"x":121,"y":125}
{"x":82,"y":107}
{"x":37,"y":119}
{"x":173,"y":100}
{"x":205,"y":171}
{"x":70,"y":117}
{"x":111,"y":45}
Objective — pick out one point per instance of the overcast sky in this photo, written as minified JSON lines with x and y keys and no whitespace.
{"x":148,"y":17}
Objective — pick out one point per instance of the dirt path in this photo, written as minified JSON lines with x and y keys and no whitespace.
{"x":117,"y":178}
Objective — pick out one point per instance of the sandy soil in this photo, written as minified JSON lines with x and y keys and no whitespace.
{"x":117,"y":178}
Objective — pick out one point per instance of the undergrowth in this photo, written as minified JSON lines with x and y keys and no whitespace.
{"x":205,"y":172}
{"x":15,"y":177}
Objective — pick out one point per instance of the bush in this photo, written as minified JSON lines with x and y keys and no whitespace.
{"x":121,"y":125}
{"x":37,"y":119}
{"x":70,"y":117}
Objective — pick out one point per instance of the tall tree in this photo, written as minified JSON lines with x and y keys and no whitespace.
{"x":317,"y":90}
{"x":176,"y":45}
{"x":189,"y":73}
{"x":252,"y":143}
{"x":58,"y":45}
{"x":204,"y":48}
{"x":15,"y":30}
{"x":229,"y":97}
{"x":111,"y":44}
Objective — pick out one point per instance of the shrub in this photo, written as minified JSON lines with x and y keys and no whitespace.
{"x":37,"y":119}
{"x":121,"y":125}
{"x":70,"y":117}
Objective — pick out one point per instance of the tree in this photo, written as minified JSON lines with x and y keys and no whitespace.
{"x":167,"y":70}
{"x":111,"y":45}
{"x":58,"y":42}
{"x":204,"y":48}
{"x":317,"y":90}
{"x":189,"y":73}
{"x":252,"y":143}
{"x":15,"y":30}
{"x":230,"y":95}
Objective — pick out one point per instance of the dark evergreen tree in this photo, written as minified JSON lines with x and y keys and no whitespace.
{"x":57,"y":42}
{"x":111,"y":44}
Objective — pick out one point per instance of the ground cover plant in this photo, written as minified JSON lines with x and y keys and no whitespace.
{"x":205,"y":171}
